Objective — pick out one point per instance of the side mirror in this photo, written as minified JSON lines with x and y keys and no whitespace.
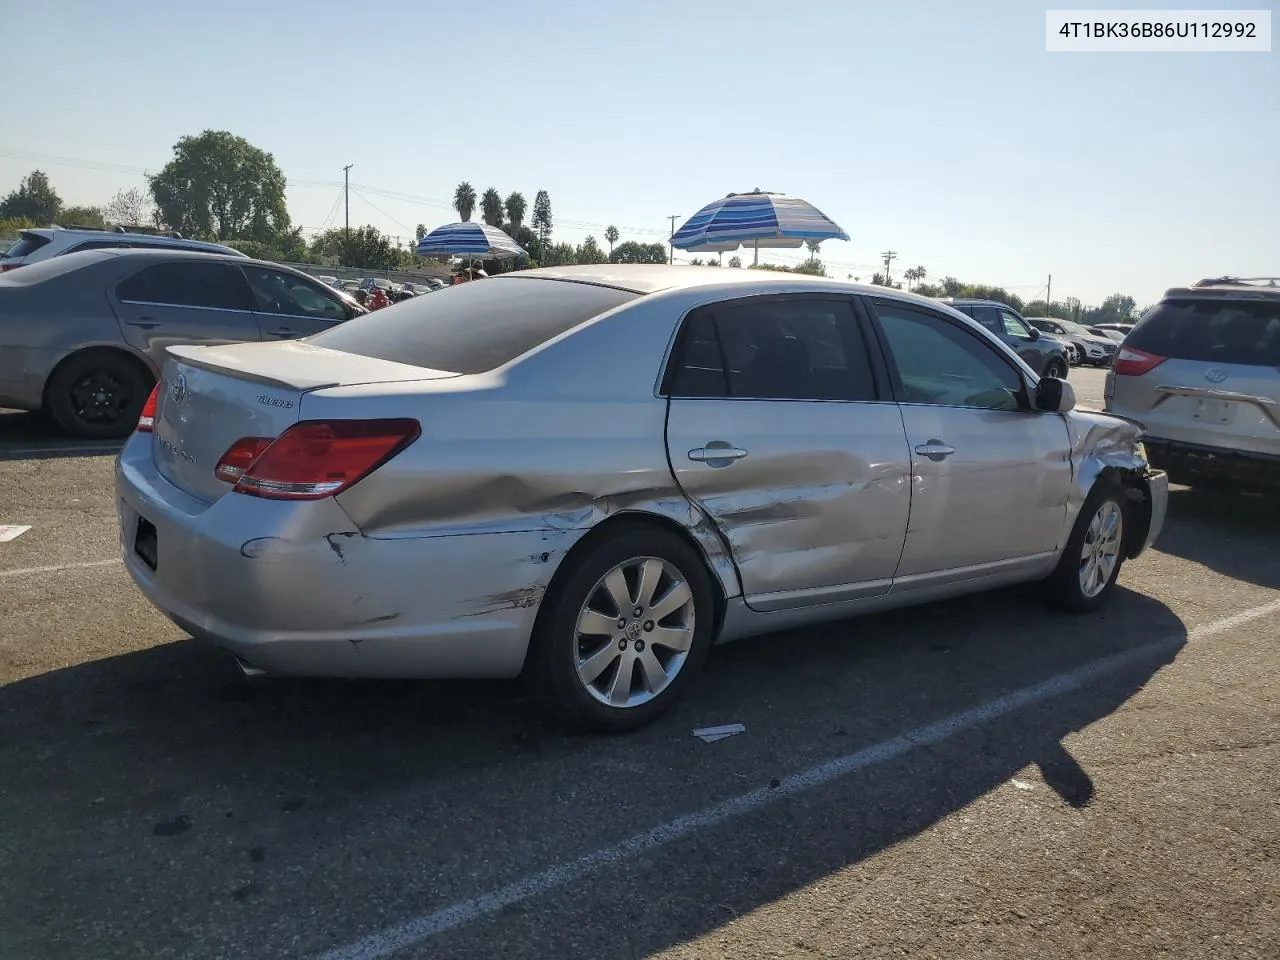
{"x":1035,"y":332}
{"x":1055,"y":396}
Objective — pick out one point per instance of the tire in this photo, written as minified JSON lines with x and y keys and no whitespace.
{"x":1066,"y":586}
{"x":562,"y":660}
{"x":1056,"y":369}
{"x":97,"y":395}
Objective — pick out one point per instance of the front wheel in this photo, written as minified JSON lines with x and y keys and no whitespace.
{"x":1090,"y":564}
{"x":1056,"y":369}
{"x":624,"y":632}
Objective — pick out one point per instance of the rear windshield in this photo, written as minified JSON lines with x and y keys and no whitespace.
{"x":1213,"y":330}
{"x":473,"y":327}
{"x":51,"y":269}
{"x":28,"y":243}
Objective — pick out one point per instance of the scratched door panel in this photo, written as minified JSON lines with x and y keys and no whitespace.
{"x":819,"y":502}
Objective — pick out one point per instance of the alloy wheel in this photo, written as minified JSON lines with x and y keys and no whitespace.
{"x":1101,"y":549}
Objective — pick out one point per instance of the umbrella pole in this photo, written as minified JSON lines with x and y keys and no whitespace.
{"x":756,"y":261}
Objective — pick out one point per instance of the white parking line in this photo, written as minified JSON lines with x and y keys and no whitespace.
{"x":404,"y":935}
{"x":56,"y":568}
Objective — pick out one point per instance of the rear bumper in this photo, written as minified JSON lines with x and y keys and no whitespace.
{"x":294,"y":588}
{"x":1192,"y":462}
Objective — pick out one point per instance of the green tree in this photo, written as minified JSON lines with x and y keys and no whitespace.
{"x":419,"y":232}
{"x":589,"y":252}
{"x":221,"y":186}
{"x":560,"y":255}
{"x":542,"y":216}
{"x":82,"y":217}
{"x":464,"y":200}
{"x":695,"y":262}
{"x":363,"y":247}
{"x":914,"y":275}
{"x":813,"y":246}
{"x":929,"y":289}
{"x":735,"y":261}
{"x":611,"y":237}
{"x":491,"y":207}
{"x":814,"y":268}
{"x":33,"y":200}
{"x":130,"y":208}
{"x":516,"y":209}
{"x":633,"y":252}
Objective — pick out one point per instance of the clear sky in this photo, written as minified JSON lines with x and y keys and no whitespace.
{"x":942,"y":130}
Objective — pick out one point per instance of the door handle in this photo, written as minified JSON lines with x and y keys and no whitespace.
{"x":280,"y":332}
{"x":935,"y":450}
{"x":716,"y":450}
{"x":146,"y":323}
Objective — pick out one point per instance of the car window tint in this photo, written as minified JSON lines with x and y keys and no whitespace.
{"x":1212,"y":330}
{"x":194,"y":284}
{"x":1014,"y":327}
{"x":989,"y":317}
{"x":284,"y":293}
{"x":699,"y":368}
{"x":474,"y":327}
{"x":97,"y":245}
{"x":794,"y":348}
{"x":939,"y":363}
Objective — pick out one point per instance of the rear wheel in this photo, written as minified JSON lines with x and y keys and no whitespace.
{"x":1090,"y":564}
{"x":98,"y":394}
{"x":1056,"y":369}
{"x":624,"y":632}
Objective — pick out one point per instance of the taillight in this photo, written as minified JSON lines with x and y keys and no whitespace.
{"x":315,"y":459}
{"x":147,"y":419}
{"x":1132,"y":362}
{"x":4,"y":267}
{"x":239,"y":457}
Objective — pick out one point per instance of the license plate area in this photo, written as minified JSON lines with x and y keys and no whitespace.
{"x":145,"y":544}
{"x":1213,"y":411}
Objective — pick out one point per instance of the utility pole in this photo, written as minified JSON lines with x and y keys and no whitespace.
{"x":889,"y":257}
{"x":671,"y":259}
{"x":1048,"y":297}
{"x":346,"y":193}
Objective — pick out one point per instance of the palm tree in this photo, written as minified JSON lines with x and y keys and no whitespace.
{"x":910,"y":276}
{"x":611,"y":237}
{"x":516,"y":208}
{"x":813,"y":246}
{"x":491,"y":207}
{"x":464,"y":200}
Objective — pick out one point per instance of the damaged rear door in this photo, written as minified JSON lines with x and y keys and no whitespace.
{"x":781,"y":431}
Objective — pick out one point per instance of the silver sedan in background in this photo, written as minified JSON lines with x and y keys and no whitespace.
{"x":588,"y":475}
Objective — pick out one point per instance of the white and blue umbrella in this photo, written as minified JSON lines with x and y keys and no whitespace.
{"x":476,"y":240}
{"x":757,"y":219}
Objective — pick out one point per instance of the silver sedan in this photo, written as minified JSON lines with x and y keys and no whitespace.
{"x":589,"y":475}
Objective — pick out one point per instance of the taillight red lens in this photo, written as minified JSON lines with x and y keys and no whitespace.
{"x":1132,"y":362}
{"x":315,"y":459}
{"x":239,"y":457}
{"x":147,"y":419}
{"x":4,"y":267}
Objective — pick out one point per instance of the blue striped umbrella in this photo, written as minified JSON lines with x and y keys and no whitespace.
{"x":757,"y":219}
{"x":477,"y":240}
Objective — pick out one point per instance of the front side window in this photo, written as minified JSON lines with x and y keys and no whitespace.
{"x":790,"y":348}
{"x":283,"y":293}
{"x":1013,"y":327}
{"x":989,"y":317}
{"x":939,"y":363}
{"x":192,"y":284}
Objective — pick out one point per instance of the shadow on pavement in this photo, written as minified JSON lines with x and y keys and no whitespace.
{"x":156,"y":804}
{"x":32,"y":436}
{"x":1219,"y":530}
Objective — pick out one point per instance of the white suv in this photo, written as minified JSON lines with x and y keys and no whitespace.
{"x":39,"y":244}
{"x":1201,"y":370}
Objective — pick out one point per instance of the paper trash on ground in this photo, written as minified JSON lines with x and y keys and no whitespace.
{"x":12,"y":531}
{"x":712,"y":734}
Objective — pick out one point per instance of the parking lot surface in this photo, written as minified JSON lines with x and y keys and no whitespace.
{"x":978,"y":778}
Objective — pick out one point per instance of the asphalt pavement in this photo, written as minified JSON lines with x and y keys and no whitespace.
{"x":977,"y":778}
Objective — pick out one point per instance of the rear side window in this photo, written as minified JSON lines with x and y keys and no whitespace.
{"x":795,"y":348}
{"x":473,"y":327}
{"x":210,"y":285}
{"x":1212,"y":330}
{"x":28,"y":243}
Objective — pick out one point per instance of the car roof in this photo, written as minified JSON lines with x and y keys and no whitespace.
{"x":974,"y":300}
{"x":647,"y":278}
{"x":1264,"y":288}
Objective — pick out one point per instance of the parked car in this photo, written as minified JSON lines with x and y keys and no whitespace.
{"x":470,"y":484}
{"x":1095,"y":350}
{"x":1047,"y":356}
{"x":1120,"y":328}
{"x":36,"y":245}
{"x":1107,"y":332}
{"x":1202,"y":371}
{"x":83,"y":335}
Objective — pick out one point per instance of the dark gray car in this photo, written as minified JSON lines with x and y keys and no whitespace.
{"x":1046,"y":356}
{"x":83,"y":336}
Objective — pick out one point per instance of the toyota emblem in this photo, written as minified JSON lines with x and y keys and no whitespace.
{"x":1215,"y":375}
{"x":178,"y":392}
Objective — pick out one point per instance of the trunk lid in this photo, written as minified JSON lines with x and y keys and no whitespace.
{"x":210,"y":397}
